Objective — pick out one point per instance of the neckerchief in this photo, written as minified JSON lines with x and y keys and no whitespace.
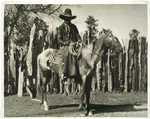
{"x":67,"y":27}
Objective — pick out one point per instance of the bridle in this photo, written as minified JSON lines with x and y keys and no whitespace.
{"x":103,"y":39}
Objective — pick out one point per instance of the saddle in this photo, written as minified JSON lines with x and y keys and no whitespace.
{"x":75,"y":49}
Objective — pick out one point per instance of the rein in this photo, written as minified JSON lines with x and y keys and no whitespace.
{"x":93,"y":52}
{"x":96,"y":53}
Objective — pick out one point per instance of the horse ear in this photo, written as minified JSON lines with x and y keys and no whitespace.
{"x":104,"y":30}
{"x":109,"y":30}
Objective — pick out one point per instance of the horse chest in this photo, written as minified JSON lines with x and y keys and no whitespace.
{"x":85,"y":66}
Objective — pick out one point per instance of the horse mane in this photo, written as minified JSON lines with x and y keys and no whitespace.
{"x":117,"y":40}
{"x":100,"y":43}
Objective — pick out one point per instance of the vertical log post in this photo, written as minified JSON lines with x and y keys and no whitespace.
{"x":126,"y":72}
{"x":120,"y":78}
{"x":51,"y":83}
{"x":98,"y":74}
{"x":93,"y":81}
{"x":146,"y":64}
{"x":109,"y":73}
{"x":27,"y":85}
{"x":104,"y":73}
{"x":8,"y":64}
{"x":139,"y":62}
{"x":130,"y":64}
{"x":143,"y":64}
{"x":20,"y":83}
{"x":115,"y":71}
{"x":136,"y":66}
{"x":12,"y":72}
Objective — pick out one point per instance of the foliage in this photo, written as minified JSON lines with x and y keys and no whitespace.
{"x":20,"y":17}
{"x":92,"y":27}
{"x":134,"y":33}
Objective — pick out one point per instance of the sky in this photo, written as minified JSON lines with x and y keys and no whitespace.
{"x":120,"y":18}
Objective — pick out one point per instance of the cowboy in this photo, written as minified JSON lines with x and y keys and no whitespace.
{"x":68,"y":35}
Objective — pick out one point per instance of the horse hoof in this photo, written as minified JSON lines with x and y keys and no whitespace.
{"x":80,"y":108}
{"x":87,"y":113}
{"x":90,"y":113}
{"x":46,"y":109}
{"x":66,"y":95}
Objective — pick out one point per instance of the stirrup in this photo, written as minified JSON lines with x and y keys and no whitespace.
{"x":63,"y":77}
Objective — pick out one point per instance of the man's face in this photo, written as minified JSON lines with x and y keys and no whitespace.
{"x":68,"y":19}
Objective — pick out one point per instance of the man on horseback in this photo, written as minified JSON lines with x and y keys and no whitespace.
{"x":68,"y":35}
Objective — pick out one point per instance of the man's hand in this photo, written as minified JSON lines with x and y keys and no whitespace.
{"x":48,"y":68}
{"x":72,"y":44}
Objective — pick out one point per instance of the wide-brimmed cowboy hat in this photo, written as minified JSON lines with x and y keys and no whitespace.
{"x":67,"y":14}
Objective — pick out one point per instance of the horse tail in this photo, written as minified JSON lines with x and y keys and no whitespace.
{"x":38,"y":75}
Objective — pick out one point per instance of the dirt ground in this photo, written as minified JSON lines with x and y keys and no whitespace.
{"x":102,"y":105}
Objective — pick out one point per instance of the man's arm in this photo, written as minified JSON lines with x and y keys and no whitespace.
{"x":78,"y":35}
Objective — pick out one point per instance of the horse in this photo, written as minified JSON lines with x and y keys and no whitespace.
{"x":48,"y":61}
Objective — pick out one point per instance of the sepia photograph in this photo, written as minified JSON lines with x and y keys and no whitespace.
{"x":75,"y":60}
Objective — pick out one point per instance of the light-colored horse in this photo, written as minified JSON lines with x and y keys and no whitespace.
{"x":48,"y":61}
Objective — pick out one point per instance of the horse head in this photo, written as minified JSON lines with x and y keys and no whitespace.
{"x":111,"y":41}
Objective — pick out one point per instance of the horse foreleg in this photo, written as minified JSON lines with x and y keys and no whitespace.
{"x":42,"y":101}
{"x":61,"y":85}
{"x":68,"y":85}
{"x":46,"y":108}
{"x":65,"y":88}
{"x":75,"y":89}
{"x":88,"y":88}
{"x":79,"y":87}
{"x":72,"y":86}
{"x":45,"y":99}
{"x":82,"y":92}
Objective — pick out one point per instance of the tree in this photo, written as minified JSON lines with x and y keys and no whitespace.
{"x":21,"y":16}
{"x":18,"y":20}
{"x":134,"y":33}
{"x":92,"y":27}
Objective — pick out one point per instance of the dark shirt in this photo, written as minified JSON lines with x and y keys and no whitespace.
{"x":68,"y":33}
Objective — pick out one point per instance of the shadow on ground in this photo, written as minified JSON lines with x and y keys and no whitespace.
{"x":96,"y":108}
{"x":62,"y":106}
{"x":115,"y":108}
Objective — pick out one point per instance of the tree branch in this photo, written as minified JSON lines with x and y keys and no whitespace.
{"x":55,"y":10}
{"x":26,"y":7}
{"x":34,"y":10}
